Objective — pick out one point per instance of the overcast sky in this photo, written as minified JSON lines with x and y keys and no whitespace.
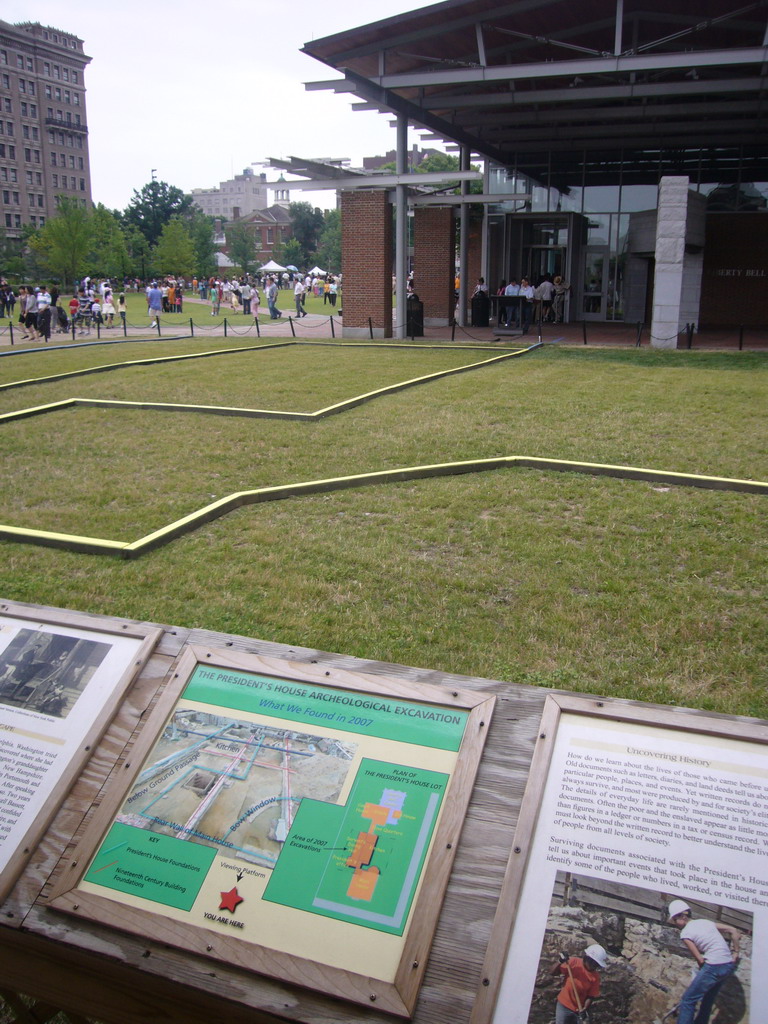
{"x":200,"y":91}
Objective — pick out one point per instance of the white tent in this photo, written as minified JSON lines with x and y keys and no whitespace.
{"x":273,"y":266}
{"x":318,"y":271}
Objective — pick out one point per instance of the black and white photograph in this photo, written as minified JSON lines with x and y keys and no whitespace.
{"x":46,"y":672}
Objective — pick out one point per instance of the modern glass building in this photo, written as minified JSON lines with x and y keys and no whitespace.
{"x":632,"y":134}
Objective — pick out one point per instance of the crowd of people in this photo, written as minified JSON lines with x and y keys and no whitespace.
{"x":527,"y":304}
{"x":39,"y":311}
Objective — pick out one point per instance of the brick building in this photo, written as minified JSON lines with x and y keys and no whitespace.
{"x":43,"y":123}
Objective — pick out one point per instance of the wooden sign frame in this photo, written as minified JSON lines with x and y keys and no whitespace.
{"x":678,"y":721}
{"x":74,"y":891}
{"x":101,"y":711}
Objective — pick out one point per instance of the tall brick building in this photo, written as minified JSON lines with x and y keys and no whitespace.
{"x":43,"y":123}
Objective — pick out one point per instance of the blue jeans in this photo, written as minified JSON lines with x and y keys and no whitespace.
{"x":703,"y":990}
{"x":565,"y":1016}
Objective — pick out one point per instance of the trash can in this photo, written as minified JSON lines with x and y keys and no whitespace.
{"x":414,"y":318}
{"x":481,"y":310}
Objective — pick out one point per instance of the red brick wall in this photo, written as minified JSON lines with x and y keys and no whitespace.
{"x":434,"y":260}
{"x":366,"y":261}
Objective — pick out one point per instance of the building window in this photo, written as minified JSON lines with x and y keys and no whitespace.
{"x":49,"y":113}
{"x":49,"y":94}
{"x":55,"y":180}
{"x":23,"y":108}
{"x":31,"y":200}
{"x":3,"y":174}
{"x":25,"y":132}
{"x":53,"y":159}
{"x":3,"y":56}
{"x":19,"y":61}
{"x":74,"y":77}
{"x":8,"y":106}
{"x":76,"y":98}
{"x":6,"y":197}
{"x":42,"y":221}
{"x":2,"y":149}
{"x":47,"y":68}
{"x":29,"y":177}
{"x":38,"y":179}
{"x":8,"y":222}
{"x":6,"y":82}
{"x":33,"y":110}
{"x":31,"y":88}
{"x":82,"y":184}
{"x":17,"y":220}
{"x":28,"y":155}
{"x":67,"y":96}
{"x":36,"y":155}
{"x":30,"y":65}
{"x":22,"y":85}
{"x":57,"y":95}
{"x":11,"y":152}
{"x":41,"y":201}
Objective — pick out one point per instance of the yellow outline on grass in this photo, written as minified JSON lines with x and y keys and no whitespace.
{"x":133,"y":549}
{"x":223,"y":410}
{"x":99,"y":546}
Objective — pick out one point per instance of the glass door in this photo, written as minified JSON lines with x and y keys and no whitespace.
{"x":594,"y":297}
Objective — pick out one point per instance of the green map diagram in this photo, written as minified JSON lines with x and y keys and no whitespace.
{"x":362,"y":862}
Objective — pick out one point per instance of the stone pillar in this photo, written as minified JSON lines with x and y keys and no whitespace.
{"x":434,"y":262}
{"x":366,"y":263}
{"x":670,"y":257}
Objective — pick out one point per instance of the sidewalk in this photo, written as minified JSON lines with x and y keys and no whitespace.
{"x":242,"y":329}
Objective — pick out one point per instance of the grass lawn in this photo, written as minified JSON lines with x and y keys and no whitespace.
{"x":600,"y":585}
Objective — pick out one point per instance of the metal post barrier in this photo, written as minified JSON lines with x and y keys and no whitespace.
{"x":689,"y":332}
{"x":453,"y":329}
{"x":370,"y":328}
{"x":539,"y":330}
{"x":225,"y":327}
{"x":125,"y":326}
{"x":584,"y":330}
{"x":10,"y":328}
{"x":639,"y":337}
{"x":333,"y":332}
{"x":98,"y":328}
{"x":741,"y":337}
{"x":258,"y":329}
{"x":72,"y":325}
{"x":191,"y":327}
{"x":157,"y":324}
{"x":290,"y":322}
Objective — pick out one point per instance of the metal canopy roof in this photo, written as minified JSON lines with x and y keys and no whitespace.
{"x":566,"y":87}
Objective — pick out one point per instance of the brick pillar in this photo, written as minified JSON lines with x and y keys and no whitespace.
{"x":366,"y":263}
{"x":434,"y":262}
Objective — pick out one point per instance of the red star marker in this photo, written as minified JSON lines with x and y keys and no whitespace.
{"x":229,"y":900}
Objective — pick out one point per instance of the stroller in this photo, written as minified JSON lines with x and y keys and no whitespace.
{"x":62,"y":320}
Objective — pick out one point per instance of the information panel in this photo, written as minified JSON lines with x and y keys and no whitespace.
{"x":60,"y":683}
{"x":629,"y":816}
{"x":299,"y":817}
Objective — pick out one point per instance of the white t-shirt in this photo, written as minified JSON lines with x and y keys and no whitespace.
{"x":708,"y":940}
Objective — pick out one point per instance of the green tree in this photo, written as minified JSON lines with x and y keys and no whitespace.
{"x":200,"y":229}
{"x":152,"y":208}
{"x":329,"y":249}
{"x":175,"y":253}
{"x":140,"y":253}
{"x":109,"y":252}
{"x":306,"y":223}
{"x":63,"y":244}
{"x":293,"y":254}
{"x":242,"y":251}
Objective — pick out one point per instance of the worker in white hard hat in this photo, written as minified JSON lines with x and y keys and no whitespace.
{"x":581,"y":984}
{"x":706,"y":941}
